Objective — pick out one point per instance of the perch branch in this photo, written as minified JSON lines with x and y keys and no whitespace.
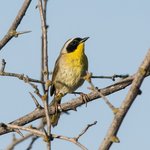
{"x":71,"y":105}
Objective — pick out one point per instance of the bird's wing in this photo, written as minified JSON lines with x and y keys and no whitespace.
{"x":55,"y":71}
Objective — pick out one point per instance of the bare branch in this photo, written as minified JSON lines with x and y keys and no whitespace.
{"x":35,"y":101}
{"x":19,"y":140}
{"x":15,"y":24}
{"x":126,"y":104}
{"x":20,"y":76}
{"x":83,"y":132}
{"x":32,"y":142}
{"x":72,"y":140}
{"x":3,"y":64}
{"x":44,"y":64}
{"x":75,"y":139}
{"x":111,"y":77}
{"x":37,"y":91}
{"x":71,"y":105}
{"x":95,"y":89}
{"x":29,"y":129}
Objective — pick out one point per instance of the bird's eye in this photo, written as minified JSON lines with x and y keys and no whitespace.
{"x":74,"y":42}
{"x":72,"y":46}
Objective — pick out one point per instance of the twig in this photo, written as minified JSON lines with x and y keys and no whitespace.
{"x":70,"y":105}
{"x":42,"y":134}
{"x":83,"y":132}
{"x":15,"y":24}
{"x":32,"y":142}
{"x":110,"y":105}
{"x":111,"y":77}
{"x":126,"y":104}
{"x":37,"y":92}
{"x":72,"y":140}
{"x":44,"y":62}
{"x":19,"y":140}
{"x":88,"y":78}
{"x":20,"y":76}
{"x":75,"y":139}
{"x":29,"y":129}
{"x":16,"y":34}
{"x":3,"y":64}
{"x":35,"y":101}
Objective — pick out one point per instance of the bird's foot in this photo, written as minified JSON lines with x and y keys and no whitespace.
{"x":84,"y":97}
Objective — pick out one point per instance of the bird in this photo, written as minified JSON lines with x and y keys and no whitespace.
{"x":70,"y":68}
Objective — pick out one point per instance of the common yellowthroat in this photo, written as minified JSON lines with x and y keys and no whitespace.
{"x":69,"y":70}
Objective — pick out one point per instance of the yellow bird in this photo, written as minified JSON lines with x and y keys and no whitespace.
{"x":70,"y":68}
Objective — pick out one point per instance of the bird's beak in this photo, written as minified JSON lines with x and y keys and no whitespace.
{"x":84,"y":39}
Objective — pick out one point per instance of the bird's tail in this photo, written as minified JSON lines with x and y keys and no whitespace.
{"x":55,"y":117}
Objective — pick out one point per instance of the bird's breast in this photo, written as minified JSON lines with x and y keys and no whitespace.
{"x":71,"y":71}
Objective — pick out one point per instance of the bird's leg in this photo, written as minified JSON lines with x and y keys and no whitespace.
{"x":56,"y":102}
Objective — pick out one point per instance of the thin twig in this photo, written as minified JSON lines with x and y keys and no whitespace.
{"x":37,"y":91}
{"x":88,"y":78}
{"x":44,"y":62}
{"x":83,"y":132}
{"x":17,"y":141}
{"x":126,"y":104}
{"x":3,"y":64}
{"x":113,"y":77}
{"x":29,"y":129}
{"x":16,"y":34}
{"x":25,"y":137}
{"x":35,"y":101}
{"x":21,"y":77}
{"x":32,"y":142}
{"x":15,"y":24}
{"x":72,"y":140}
{"x":75,"y":140}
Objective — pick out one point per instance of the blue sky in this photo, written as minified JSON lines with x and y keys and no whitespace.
{"x":119,"y":39}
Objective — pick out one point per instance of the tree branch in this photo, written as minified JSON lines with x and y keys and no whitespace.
{"x":10,"y":34}
{"x":75,"y":140}
{"x":83,"y":132}
{"x":41,"y":134}
{"x":19,"y":140}
{"x":20,"y":76}
{"x":72,"y":140}
{"x":44,"y":62}
{"x":126,"y":104}
{"x":71,"y":105}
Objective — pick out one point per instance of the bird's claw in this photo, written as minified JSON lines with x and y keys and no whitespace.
{"x":85,"y":98}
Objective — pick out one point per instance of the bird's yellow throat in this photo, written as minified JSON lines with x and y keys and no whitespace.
{"x":78,"y":53}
